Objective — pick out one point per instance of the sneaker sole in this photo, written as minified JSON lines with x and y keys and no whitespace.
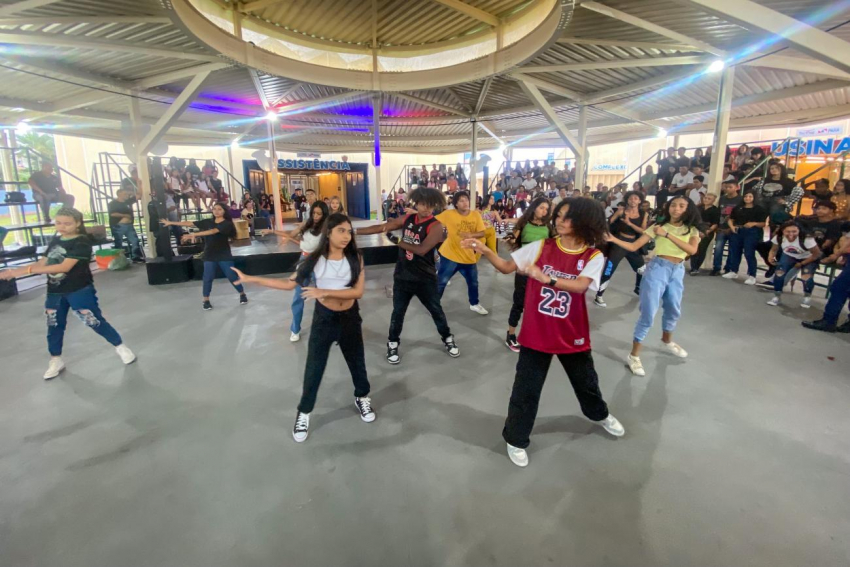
{"x":299,"y":440}
{"x":520,"y":464}
{"x":453,"y":355}
{"x":396,"y":362}
{"x":511,"y":348}
{"x":633,"y":372}
{"x":61,"y":370}
{"x":614,"y":433}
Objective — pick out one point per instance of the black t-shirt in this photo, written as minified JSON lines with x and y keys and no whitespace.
{"x":410,"y":266}
{"x":727,"y":205}
{"x":710,"y":216}
{"x":621,"y":229}
{"x":742,"y":215}
{"x":49,"y":184}
{"x":79,"y":276}
{"x":193,"y":170}
{"x":125,"y":208}
{"x":217,"y":246}
{"x":823,"y":231}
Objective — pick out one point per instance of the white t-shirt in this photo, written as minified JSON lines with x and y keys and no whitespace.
{"x":793,"y":249}
{"x":332,"y":274}
{"x":695,"y":195}
{"x":616,"y":199}
{"x":529,"y":184}
{"x":680,"y":180}
{"x":528,"y":254}
{"x":309,"y":242}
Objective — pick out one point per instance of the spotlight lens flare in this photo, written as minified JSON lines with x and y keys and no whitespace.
{"x":271,"y":116}
{"x":234,"y":144}
{"x":662,"y":133}
{"x":716,"y":66}
{"x":22,"y":127}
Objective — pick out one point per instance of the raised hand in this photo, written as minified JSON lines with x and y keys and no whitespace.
{"x":471,"y":243}
{"x":243,"y":279}
{"x":312,"y":293}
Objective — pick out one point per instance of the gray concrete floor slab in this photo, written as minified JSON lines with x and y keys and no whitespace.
{"x":736,"y":456}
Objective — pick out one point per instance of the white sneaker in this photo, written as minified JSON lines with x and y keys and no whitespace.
{"x":641,"y":270}
{"x":54,"y":368}
{"x":635,"y":365}
{"x":806,"y":303}
{"x":302,"y":424}
{"x":730,"y":276}
{"x":750,"y":281}
{"x":294,"y":337}
{"x":478,"y":309}
{"x":599,"y":301}
{"x":613,"y":426}
{"x":364,"y":406}
{"x":774,"y":301}
{"x":676,"y":350}
{"x":127,"y":356}
{"x":518,"y":456}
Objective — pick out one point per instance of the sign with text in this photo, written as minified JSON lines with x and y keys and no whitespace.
{"x":311,"y":155}
{"x":332,"y":165}
{"x":828,"y":146}
{"x":820,"y":131}
{"x":609,"y":167}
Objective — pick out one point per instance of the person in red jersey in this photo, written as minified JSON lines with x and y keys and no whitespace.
{"x":560,"y":270}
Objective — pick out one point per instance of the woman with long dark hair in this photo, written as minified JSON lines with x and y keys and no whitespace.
{"x":664,"y":279}
{"x":800,"y":254}
{"x":335,"y":270}
{"x":627,"y":223}
{"x":747,"y":223}
{"x":69,"y":286}
{"x":560,"y":270}
{"x":307,"y":235}
{"x":216,"y":233}
{"x":534,"y":225}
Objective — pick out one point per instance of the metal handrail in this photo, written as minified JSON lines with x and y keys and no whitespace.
{"x":638,"y":168}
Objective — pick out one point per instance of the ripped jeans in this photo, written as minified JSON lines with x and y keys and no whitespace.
{"x":84,"y":303}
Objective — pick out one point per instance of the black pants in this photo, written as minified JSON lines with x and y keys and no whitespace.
{"x":763,"y":249}
{"x":520,"y":281}
{"x":702,"y":249}
{"x":531,"y":370}
{"x":345,"y":328}
{"x":616,"y":255}
{"x":428,"y":294}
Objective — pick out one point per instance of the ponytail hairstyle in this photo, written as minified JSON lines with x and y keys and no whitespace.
{"x":316,"y":227}
{"x":78,"y":218}
{"x":351,"y":252}
{"x":527,"y":217}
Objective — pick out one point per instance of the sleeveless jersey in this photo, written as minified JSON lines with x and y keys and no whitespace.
{"x":555,"y":321}
{"x":411,"y":266}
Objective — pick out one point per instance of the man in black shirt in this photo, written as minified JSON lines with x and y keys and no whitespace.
{"x":297,"y":199}
{"x":710,"y":214}
{"x":47,"y":188}
{"x":821,"y":190}
{"x":728,"y":201}
{"x":823,"y":226}
{"x":121,"y":223}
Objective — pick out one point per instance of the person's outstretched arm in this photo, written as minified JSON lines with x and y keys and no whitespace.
{"x":274,"y":283}
{"x":188,"y":224}
{"x":504,"y":266}
{"x":630,"y":246}
{"x":355,"y":292}
{"x":435,"y":236}
{"x":392,"y":224}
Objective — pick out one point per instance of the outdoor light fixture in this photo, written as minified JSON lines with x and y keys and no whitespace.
{"x":662,"y":133}
{"x":234,"y":144}
{"x":23,"y":127}
{"x":716,"y":66}
{"x":271,"y":116}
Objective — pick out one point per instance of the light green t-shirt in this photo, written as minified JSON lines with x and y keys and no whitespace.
{"x":664,"y":246}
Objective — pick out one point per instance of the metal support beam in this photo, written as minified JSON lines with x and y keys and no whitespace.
{"x":47,"y":20}
{"x":258,"y":5}
{"x":376,"y":147}
{"x":626,"y":43}
{"x":236,"y":18}
{"x":68,"y":71}
{"x":581,"y":157}
{"x":261,"y":92}
{"x":552,"y":117}
{"x":274,"y":175}
{"x":473,"y":167}
{"x":470,"y":11}
{"x":141,"y":161}
{"x":721,"y":130}
{"x":547,"y":86}
{"x":660,"y":30}
{"x":171,"y":76}
{"x":286,"y":93}
{"x":798,"y":64}
{"x":173,"y":113}
{"x":638,"y":85}
{"x":483,"y":94}
{"x":307,"y":105}
{"x":805,"y":38}
{"x":621,"y":64}
{"x":17,"y":7}
{"x":438,"y":106}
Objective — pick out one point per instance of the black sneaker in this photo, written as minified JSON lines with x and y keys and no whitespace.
{"x":364,"y":406}
{"x":767,"y":284}
{"x":451,"y":347}
{"x":302,"y":424}
{"x":694,"y":272}
{"x":243,"y":299}
{"x":637,"y":291}
{"x":138,"y":260}
{"x":821,"y":325}
{"x":844,"y":328}
{"x":511,"y":342}
{"x":207,"y":306}
{"x":392,"y":353}
{"x":770,"y":271}
{"x":714,"y":273}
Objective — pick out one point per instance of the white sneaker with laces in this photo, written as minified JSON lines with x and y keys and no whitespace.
{"x":127,"y":356}
{"x":518,"y":456}
{"x":599,"y":301}
{"x":750,"y":281}
{"x":478,"y":309}
{"x":54,"y":368}
{"x":635,"y":365}
{"x":364,"y":406}
{"x":730,"y":276}
{"x":294,"y":337}
{"x":302,"y":425}
{"x":613,"y":426}
{"x":806,"y":303}
{"x":774,"y":301}
{"x":676,"y":350}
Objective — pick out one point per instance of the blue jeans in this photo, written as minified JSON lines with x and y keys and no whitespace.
{"x":785,"y":271}
{"x":720,"y":240}
{"x":128,"y":231}
{"x":839,"y":291}
{"x":84,"y":304}
{"x":662,"y":286}
{"x":744,"y":243}
{"x":298,"y":307}
{"x":448,"y":268}
{"x":226,"y":267}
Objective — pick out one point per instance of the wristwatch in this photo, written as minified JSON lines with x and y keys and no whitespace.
{"x":553,"y":281}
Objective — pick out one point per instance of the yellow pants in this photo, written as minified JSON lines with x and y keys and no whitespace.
{"x":490,"y":238}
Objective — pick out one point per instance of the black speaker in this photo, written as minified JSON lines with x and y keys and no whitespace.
{"x":190,"y":249}
{"x":162,"y":271}
{"x":8,"y":288}
{"x":261,"y":223}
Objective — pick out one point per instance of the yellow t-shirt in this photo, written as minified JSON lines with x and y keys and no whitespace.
{"x":456,"y":223}
{"x":664,"y":246}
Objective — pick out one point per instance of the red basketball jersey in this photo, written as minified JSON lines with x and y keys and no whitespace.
{"x":555,"y":321}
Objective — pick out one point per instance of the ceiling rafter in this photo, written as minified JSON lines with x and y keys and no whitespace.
{"x":619,"y":64}
{"x":625,"y":43}
{"x":17,"y":7}
{"x":471,"y":11}
{"x":436,"y":105}
{"x":485,"y":88}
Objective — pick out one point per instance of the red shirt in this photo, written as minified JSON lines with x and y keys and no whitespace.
{"x":555,"y":321}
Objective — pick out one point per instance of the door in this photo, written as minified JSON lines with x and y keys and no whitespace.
{"x":358,"y":199}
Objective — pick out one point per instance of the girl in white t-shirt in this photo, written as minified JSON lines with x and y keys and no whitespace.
{"x":800,"y":254}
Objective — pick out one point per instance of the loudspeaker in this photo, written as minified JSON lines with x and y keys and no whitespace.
{"x":262,"y":223}
{"x":8,"y":288}
{"x":190,"y":249}
{"x":162,"y":271}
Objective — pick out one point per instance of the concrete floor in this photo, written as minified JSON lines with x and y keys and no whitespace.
{"x":737,"y":456}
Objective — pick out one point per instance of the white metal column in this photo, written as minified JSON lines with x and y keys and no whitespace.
{"x":274,"y":175}
{"x":140,"y":158}
{"x":376,"y":151}
{"x":721,"y":130}
{"x":8,"y":164}
{"x":473,"y":170}
{"x":581,"y":154}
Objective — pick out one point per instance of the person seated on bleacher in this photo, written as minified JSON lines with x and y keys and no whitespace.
{"x":841,"y":198}
{"x":121,"y":222}
{"x":823,"y":226}
{"x":47,"y":188}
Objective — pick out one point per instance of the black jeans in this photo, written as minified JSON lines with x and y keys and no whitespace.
{"x":702,"y":249}
{"x":345,"y":328}
{"x":531,"y":370}
{"x":520,"y":281}
{"x":428,"y":294}
{"x":616,"y":255}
